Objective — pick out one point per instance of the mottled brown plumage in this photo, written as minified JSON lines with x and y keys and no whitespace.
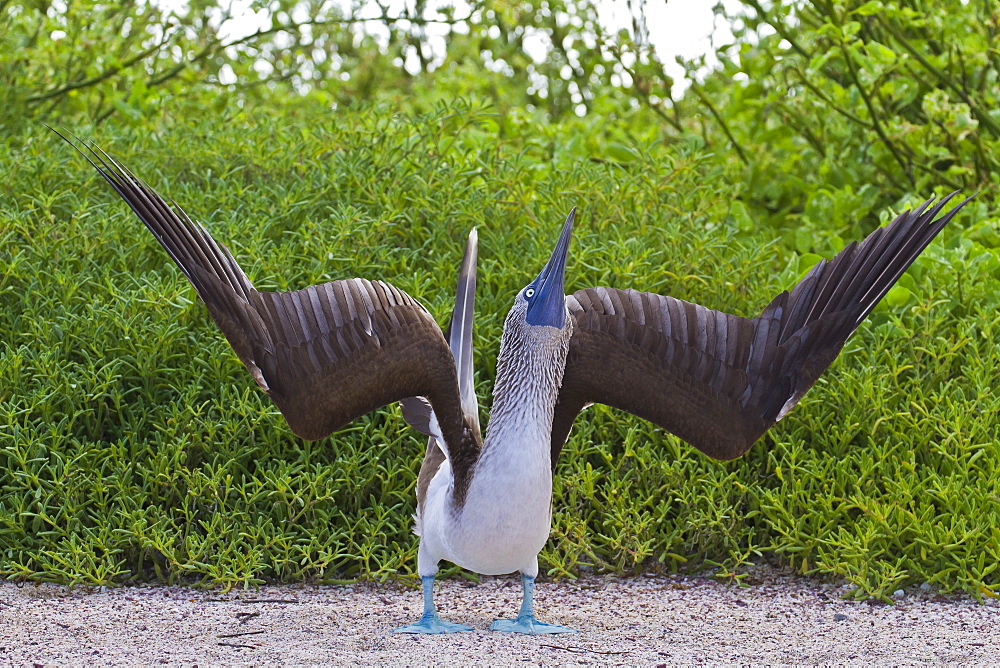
{"x":719,"y":381}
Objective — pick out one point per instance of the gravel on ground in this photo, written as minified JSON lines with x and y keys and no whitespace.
{"x":645,"y":620}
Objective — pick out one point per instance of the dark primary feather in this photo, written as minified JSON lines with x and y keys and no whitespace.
{"x":325,"y":355}
{"x":719,"y":381}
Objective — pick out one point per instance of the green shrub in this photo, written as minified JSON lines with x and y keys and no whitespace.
{"x":134,"y":444}
{"x":834,"y":110}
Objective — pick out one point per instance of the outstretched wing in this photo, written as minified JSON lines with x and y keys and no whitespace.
{"x":326,"y":354}
{"x":719,"y":381}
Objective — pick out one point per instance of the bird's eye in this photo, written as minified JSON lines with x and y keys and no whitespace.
{"x":529,"y":293}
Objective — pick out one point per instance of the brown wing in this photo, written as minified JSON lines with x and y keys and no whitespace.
{"x":719,"y":381}
{"x":326,"y":354}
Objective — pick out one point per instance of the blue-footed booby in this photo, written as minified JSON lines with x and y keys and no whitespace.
{"x":330,"y":353}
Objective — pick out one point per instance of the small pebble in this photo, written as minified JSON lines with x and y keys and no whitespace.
{"x":898,"y":593}
{"x":656,"y":620}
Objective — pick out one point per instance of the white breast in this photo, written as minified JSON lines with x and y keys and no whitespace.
{"x":507,"y":514}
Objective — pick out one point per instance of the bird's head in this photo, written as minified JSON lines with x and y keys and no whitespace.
{"x":539,"y":310}
{"x":536,"y":334}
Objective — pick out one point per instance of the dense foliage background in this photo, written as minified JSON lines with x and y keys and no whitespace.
{"x":332,"y":143}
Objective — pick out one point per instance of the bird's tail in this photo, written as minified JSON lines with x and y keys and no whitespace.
{"x":460,"y":330}
{"x":417,"y":410}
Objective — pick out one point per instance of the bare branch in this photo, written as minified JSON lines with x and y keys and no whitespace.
{"x":107,"y":74}
{"x":981,"y":115}
{"x":721,"y":121}
{"x":873,"y":113}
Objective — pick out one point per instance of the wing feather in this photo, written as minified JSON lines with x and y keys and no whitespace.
{"x":716,"y":380}
{"x":326,"y":354}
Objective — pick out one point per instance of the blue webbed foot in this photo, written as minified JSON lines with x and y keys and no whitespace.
{"x":431,"y":623}
{"x":528,"y":624}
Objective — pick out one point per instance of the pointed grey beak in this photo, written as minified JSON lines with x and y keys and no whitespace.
{"x":547,"y":304}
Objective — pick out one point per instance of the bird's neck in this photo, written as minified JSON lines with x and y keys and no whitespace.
{"x":529,"y":375}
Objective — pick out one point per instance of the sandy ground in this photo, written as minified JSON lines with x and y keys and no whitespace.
{"x":645,"y":620}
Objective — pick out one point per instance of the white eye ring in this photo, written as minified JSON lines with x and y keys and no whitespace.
{"x":529,"y":293}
